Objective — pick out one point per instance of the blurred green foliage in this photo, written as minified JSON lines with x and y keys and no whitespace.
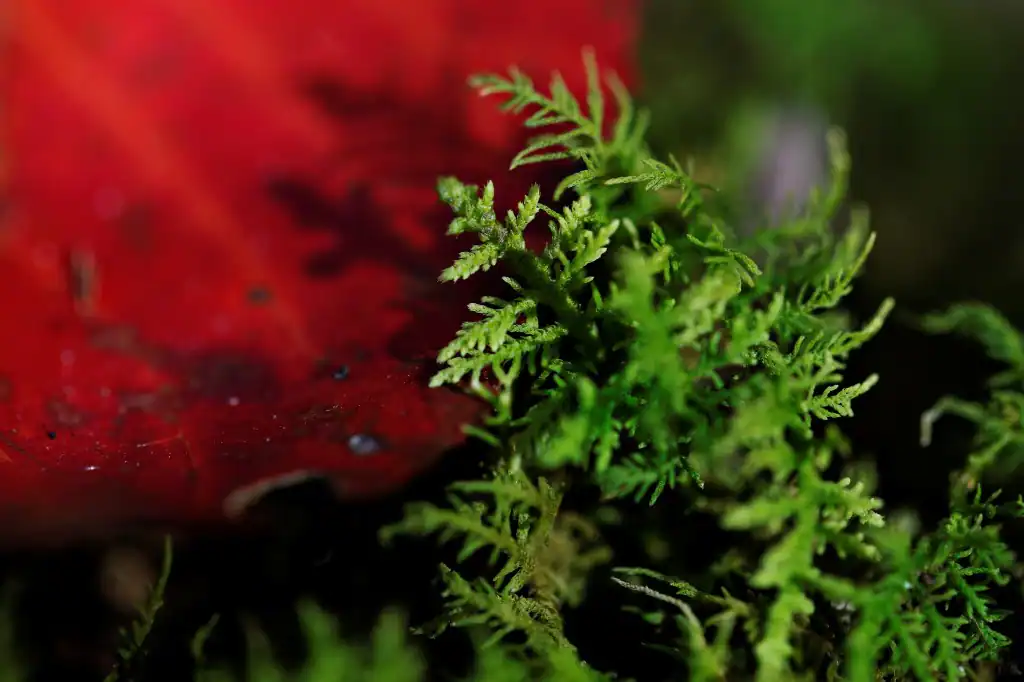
{"x":927,"y":91}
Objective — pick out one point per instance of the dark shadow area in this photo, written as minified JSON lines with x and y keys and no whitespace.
{"x":295,"y":543}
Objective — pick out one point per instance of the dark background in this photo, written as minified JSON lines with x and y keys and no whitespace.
{"x":928,"y":92}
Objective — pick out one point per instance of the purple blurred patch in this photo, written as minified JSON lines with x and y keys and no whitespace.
{"x":792,"y":162}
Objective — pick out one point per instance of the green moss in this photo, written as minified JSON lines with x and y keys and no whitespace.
{"x":649,"y":350}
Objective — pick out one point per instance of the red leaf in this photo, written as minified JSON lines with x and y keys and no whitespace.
{"x":212,"y":208}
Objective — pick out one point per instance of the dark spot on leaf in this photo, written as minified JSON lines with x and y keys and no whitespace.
{"x":82,"y":280}
{"x":341,"y":373}
{"x":120,"y":339}
{"x":64,"y":414}
{"x":6,"y":390}
{"x":136,"y":227}
{"x":162,"y":403}
{"x":362,"y":444}
{"x":315,"y":211}
{"x":225,"y":375}
{"x":52,"y":435}
{"x":259,"y":295}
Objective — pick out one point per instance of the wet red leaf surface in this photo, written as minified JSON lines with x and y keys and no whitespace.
{"x":219,"y":241}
